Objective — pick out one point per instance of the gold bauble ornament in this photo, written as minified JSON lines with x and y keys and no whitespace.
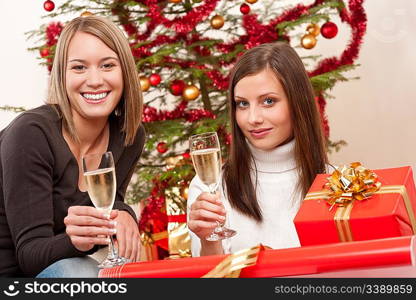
{"x":190,"y":92}
{"x":184,"y":193}
{"x":87,"y":14}
{"x":308,"y":41}
{"x":251,"y":1}
{"x":175,"y":1}
{"x":172,"y":161}
{"x":217,"y":21}
{"x":144,"y":83}
{"x":313,"y":29}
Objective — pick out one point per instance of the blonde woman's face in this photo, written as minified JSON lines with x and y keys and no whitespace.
{"x":262,"y":110}
{"x":94,"y":80}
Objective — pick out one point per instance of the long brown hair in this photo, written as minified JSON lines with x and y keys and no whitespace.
{"x":131,"y":102}
{"x":310,"y":153}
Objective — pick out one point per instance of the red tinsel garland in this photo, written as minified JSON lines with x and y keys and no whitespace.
{"x":153,"y":218}
{"x":181,"y":24}
{"x":151,"y":114}
{"x":218,"y":80}
{"x":52,"y":33}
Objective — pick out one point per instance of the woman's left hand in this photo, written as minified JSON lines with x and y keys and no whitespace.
{"x":128,"y":236}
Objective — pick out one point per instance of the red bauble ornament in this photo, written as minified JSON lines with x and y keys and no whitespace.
{"x":244,"y":8}
{"x":48,"y":5}
{"x":186,"y":155}
{"x":228,"y":138}
{"x":44,"y":52}
{"x":329,"y":30}
{"x":161,"y":147}
{"x":50,"y":62}
{"x":155,"y":79}
{"x":177,"y":86}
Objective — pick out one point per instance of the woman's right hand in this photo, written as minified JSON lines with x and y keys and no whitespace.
{"x":87,"y":226}
{"x":204,"y":214}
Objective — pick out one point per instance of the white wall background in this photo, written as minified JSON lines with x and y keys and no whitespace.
{"x":376,"y":115}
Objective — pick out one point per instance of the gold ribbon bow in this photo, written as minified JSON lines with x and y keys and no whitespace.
{"x":351,"y":183}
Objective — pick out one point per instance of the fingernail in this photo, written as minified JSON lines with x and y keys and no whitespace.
{"x":106,"y":216}
{"x":222,"y":218}
{"x":108,"y":241}
{"x":113,"y":230}
{"x":113,"y":223}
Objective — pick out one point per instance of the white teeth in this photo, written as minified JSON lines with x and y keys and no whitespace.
{"x":94,"y":96}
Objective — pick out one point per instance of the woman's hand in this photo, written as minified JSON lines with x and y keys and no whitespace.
{"x":204,"y":214}
{"x":87,"y":226}
{"x":128,"y":236}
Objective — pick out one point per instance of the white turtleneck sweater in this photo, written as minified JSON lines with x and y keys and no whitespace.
{"x":278,"y":198}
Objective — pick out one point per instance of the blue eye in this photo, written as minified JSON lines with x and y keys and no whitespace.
{"x":269,"y":101}
{"x":241,"y":104}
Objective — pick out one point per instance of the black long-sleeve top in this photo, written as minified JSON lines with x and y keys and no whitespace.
{"x":39,"y":182}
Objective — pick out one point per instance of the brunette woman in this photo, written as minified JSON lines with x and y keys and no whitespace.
{"x":277,"y":149}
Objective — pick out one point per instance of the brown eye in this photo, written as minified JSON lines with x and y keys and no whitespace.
{"x":78,"y":67}
{"x":108,"y":66}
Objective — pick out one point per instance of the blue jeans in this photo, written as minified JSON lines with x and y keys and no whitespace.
{"x":75,"y":267}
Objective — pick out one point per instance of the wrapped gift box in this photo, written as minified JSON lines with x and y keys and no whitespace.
{"x":387,"y":213}
{"x":398,"y":251}
{"x":175,"y":242}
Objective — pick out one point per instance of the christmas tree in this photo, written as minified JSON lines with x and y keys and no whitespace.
{"x":184,"y":50}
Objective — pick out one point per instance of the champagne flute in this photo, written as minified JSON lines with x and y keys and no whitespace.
{"x":206,"y":156}
{"x":99,"y":174}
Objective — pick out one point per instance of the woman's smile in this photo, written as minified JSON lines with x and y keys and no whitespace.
{"x":260,"y":133}
{"x":95,"y":97}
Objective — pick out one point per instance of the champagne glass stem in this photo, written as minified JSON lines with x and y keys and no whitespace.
{"x":212,"y":188}
{"x":112,"y":251}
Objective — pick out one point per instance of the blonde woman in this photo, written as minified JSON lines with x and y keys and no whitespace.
{"x":48,"y":225}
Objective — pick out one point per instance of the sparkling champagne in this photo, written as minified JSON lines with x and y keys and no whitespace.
{"x":207,"y":163}
{"x":102,"y":188}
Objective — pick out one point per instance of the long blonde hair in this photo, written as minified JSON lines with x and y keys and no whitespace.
{"x":131,"y":103}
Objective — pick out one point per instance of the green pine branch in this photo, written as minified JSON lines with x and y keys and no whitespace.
{"x":326,"y":81}
{"x":312,"y":17}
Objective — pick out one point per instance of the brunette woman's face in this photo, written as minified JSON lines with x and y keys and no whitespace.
{"x":94,"y":80}
{"x":262,"y":110}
